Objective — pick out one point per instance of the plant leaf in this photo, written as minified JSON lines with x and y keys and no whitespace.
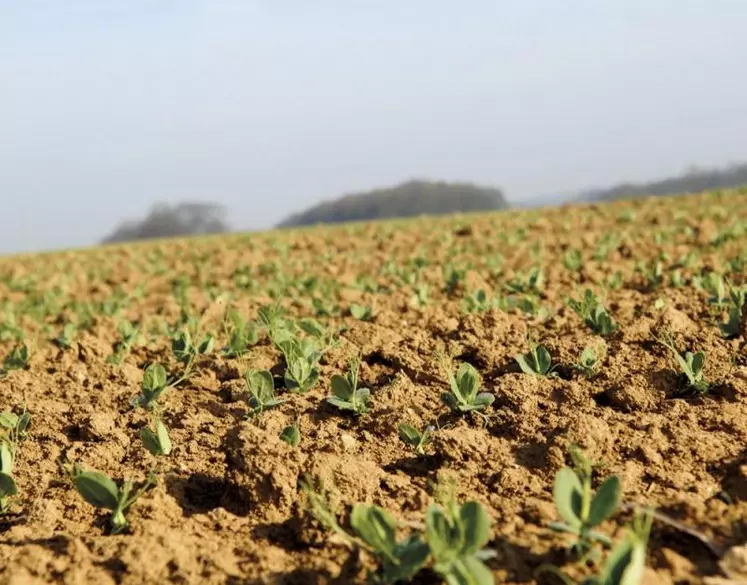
{"x":605,"y":501}
{"x":376,"y":528}
{"x":568,"y":496}
{"x":97,"y":489}
{"x":341,"y":387}
{"x":475,"y":527}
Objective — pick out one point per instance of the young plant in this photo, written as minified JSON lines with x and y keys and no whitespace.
{"x":261,"y":390}
{"x":456,"y":538}
{"x":399,"y":561}
{"x":625,"y":563}
{"x":416,"y":439}
{"x":581,"y":509}
{"x":589,"y":362}
{"x":347,"y":395}
{"x":573,"y":260}
{"x":536,"y":362}
{"x":301,"y":373}
{"x":736,"y":323}
{"x":129,"y":336}
{"x":186,"y":352}
{"x":153,"y":386}
{"x":593,"y":313}
{"x":478,"y":302}
{"x":99,"y":490}
{"x":691,"y":365}
{"x":156,"y":441}
{"x":291,"y":435}
{"x":17,"y":359}
{"x":361,"y":312}
{"x":464,"y":395}
{"x":241,"y":335}
{"x":12,"y":432}
{"x":67,"y":336}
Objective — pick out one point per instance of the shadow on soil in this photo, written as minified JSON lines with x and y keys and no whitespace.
{"x":200,"y":493}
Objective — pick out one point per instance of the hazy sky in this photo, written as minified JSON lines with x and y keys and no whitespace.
{"x":107,"y":106}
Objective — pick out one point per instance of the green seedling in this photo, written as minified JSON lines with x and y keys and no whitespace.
{"x":420,"y":298}
{"x":464,"y":395}
{"x":416,"y":439}
{"x":626,"y":562}
{"x":301,"y":373}
{"x":399,"y":561}
{"x":589,"y":362}
{"x":156,"y":440}
{"x":536,"y":362}
{"x":12,"y":431}
{"x":453,"y":277}
{"x":67,"y":336}
{"x":456,"y":538}
{"x":691,"y":365}
{"x":291,"y":435}
{"x":573,"y":260}
{"x":737,"y":316}
{"x":592,"y":311}
{"x":153,"y":386}
{"x":261,"y":389}
{"x":346,"y":394}
{"x":581,"y":509}
{"x":186,"y":352}
{"x":129,"y":336}
{"x":241,"y":335}
{"x":478,"y":302}
{"x":99,"y":490}
{"x":361,"y":312}
{"x":17,"y":359}
{"x":530,"y":283}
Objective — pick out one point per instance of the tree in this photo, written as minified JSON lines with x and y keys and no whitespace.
{"x":164,"y":221}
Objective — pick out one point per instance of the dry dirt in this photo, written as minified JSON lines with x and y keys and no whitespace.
{"x":228,"y":507}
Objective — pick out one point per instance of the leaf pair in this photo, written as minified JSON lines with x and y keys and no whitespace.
{"x":346,"y":394}
{"x":157,"y":440}
{"x":592,"y":311}
{"x":154,"y":384}
{"x":464,"y":395}
{"x":691,"y":365}
{"x":583,"y":510}
{"x":415,"y":438}
{"x":99,"y":490}
{"x":536,"y":362}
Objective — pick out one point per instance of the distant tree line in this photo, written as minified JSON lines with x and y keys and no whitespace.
{"x":164,"y":220}
{"x":413,"y":198}
{"x":693,"y":180}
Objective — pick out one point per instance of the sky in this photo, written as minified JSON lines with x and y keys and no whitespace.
{"x":270,"y":106}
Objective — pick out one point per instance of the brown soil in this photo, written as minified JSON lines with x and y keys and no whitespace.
{"x":229,"y":509}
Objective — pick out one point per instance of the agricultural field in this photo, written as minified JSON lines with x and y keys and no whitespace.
{"x":474,"y":399}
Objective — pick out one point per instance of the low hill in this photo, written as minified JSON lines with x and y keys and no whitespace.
{"x":694,"y":180}
{"x":409,"y":199}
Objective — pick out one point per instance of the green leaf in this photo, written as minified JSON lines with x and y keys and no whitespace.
{"x":376,"y":528}
{"x":261,"y":384}
{"x":341,"y":387}
{"x":475,"y":525}
{"x":468,"y":381}
{"x":6,"y":458}
{"x":154,"y":377}
{"x":525,"y":365}
{"x":568,"y":496}
{"x":442,"y":539}
{"x":469,"y":570}
{"x":8,"y":420}
{"x":97,"y":489}
{"x":543,"y":359}
{"x":412,"y":554}
{"x":291,"y":435}
{"x":7,"y":485}
{"x":150,"y":441}
{"x":605,"y":502}
{"x":409,"y":434}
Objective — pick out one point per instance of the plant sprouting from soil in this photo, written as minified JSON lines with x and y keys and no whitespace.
{"x":736,"y":323}
{"x":464,"y":395}
{"x":415,"y":438}
{"x":99,"y":490}
{"x":129,"y":336}
{"x":589,"y":362}
{"x":361,"y":312}
{"x":592,"y":311}
{"x":573,"y":260}
{"x":13,"y":429}
{"x":301,"y":357}
{"x":536,"y":362}
{"x":241,"y":335}
{"x":398,"y":560}
{"x":17,"y":359}
{"x":626,"y":561}
{"x":154,"y":384}
{"x":261,"y":389}
{"x":186,"y":351}
{"x":67,"y":336}
{"x":291,"y":435}
{"x":691,"y":365}
{"x":346,"y":394}
{"x":581,"y":509}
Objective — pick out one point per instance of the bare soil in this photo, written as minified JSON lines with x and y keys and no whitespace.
{"x":229,"y":508}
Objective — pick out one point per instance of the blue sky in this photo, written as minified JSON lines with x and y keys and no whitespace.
{"x":271,"y":106}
